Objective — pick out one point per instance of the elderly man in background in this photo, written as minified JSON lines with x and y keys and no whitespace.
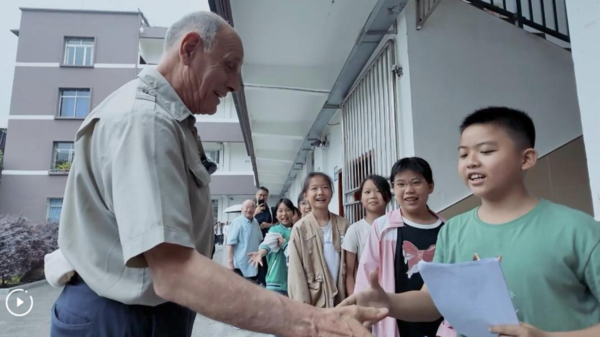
{"x":137,"y":223}
{"x":243,"y":238}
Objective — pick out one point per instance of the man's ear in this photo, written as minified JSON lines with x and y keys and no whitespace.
{"x":190,"y":44}
{"x":530,"y":157}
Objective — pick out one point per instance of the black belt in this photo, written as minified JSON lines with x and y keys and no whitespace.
{"x":76,"y":279}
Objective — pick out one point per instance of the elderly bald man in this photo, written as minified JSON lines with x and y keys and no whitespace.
{"x":137,"y":217}
{"x":244,"y":237}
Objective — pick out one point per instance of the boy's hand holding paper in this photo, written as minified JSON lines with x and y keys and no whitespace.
{"x":472,"y":296}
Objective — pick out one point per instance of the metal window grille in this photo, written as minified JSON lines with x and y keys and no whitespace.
{"x":369,"y":129}
{"x":53,"y":209}
{"x":214,"y":156}
{"x":215,"y":210}
{"x":548,"y":17}
{"x":62,"y":157}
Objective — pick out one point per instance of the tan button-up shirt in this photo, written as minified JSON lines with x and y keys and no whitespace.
{"x":137,"y":181}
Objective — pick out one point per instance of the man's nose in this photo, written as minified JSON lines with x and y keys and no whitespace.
{"x":234,"y":83}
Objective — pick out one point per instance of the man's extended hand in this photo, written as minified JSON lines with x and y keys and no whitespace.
{"x":265,"y":225}
{"x":523,"y":330}
{"x":347,"y":321}
{"x":374,"y":297}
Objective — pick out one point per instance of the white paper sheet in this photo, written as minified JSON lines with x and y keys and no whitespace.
{"x":472,"y":296}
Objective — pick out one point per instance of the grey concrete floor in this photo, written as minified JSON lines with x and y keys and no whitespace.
{"x":37,"y":322}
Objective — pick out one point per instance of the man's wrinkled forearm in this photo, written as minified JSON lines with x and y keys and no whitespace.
{"x":198,"y":283}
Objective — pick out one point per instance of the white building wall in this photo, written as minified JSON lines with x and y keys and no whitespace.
{"x":584,"y":25}
{"x":464,"y":59}
{"x":327,"y":160}
{"x":296,"y":188}
{"x":239,"y":161}
{"x":331,"y":157}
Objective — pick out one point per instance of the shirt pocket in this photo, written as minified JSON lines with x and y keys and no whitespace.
{"x":199,"y":174}
{"x":315,"y":288}
{"x":308,"y":258}
{"x":315,"y":281}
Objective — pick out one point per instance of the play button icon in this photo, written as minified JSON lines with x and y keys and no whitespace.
{"x":19,"y":310}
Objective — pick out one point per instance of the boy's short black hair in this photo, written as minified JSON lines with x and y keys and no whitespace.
{"x":516,"y":123}
{"x":262,"y":188}
{"x":414,"y":164}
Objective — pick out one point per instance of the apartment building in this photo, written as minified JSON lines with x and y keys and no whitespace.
{"x":69,"y":61}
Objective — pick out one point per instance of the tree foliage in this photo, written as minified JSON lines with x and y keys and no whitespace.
{"x":23,"y":245}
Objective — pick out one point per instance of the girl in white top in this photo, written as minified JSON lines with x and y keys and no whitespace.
{"x":375,"y":193}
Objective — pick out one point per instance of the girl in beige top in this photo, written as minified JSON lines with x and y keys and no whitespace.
{"x":316,"y":274}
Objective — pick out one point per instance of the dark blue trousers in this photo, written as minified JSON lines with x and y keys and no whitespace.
{"x":79,"y":312}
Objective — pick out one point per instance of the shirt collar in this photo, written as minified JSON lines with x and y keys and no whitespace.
{"x":165,"y":92}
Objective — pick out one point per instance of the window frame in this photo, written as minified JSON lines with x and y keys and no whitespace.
{"x":52,"y":170}
{"x":48,"y":207}
{"x":59,"y":103}
{"x":215,"y":214}
{"x":218,"y":162}
{"x":63,"y":62}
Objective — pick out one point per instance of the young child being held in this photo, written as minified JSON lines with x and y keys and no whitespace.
{"x":550,"y":253}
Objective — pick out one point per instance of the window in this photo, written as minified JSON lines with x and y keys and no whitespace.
{"x":213,"y":155}
{"x":74,"y":103}
{"x":62,"y":157}
{"x":79,"y":52}
{"x":53,"y":210}
{"x":215,"y":210}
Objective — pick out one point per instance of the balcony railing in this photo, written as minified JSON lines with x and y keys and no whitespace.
{"x":541,"y":17}
{"x":61,"y":168}
{"x":546,"y":16}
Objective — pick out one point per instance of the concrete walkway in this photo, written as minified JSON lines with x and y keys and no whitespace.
{"x":37,"y":322}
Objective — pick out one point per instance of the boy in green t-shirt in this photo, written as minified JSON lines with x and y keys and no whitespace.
{"x":550,"y":253}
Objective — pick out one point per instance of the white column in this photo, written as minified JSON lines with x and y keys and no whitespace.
{"x":226,"y":157}
{"x":584,"y":26}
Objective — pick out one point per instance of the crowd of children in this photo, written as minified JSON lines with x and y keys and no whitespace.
{"x":550,"y":253}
